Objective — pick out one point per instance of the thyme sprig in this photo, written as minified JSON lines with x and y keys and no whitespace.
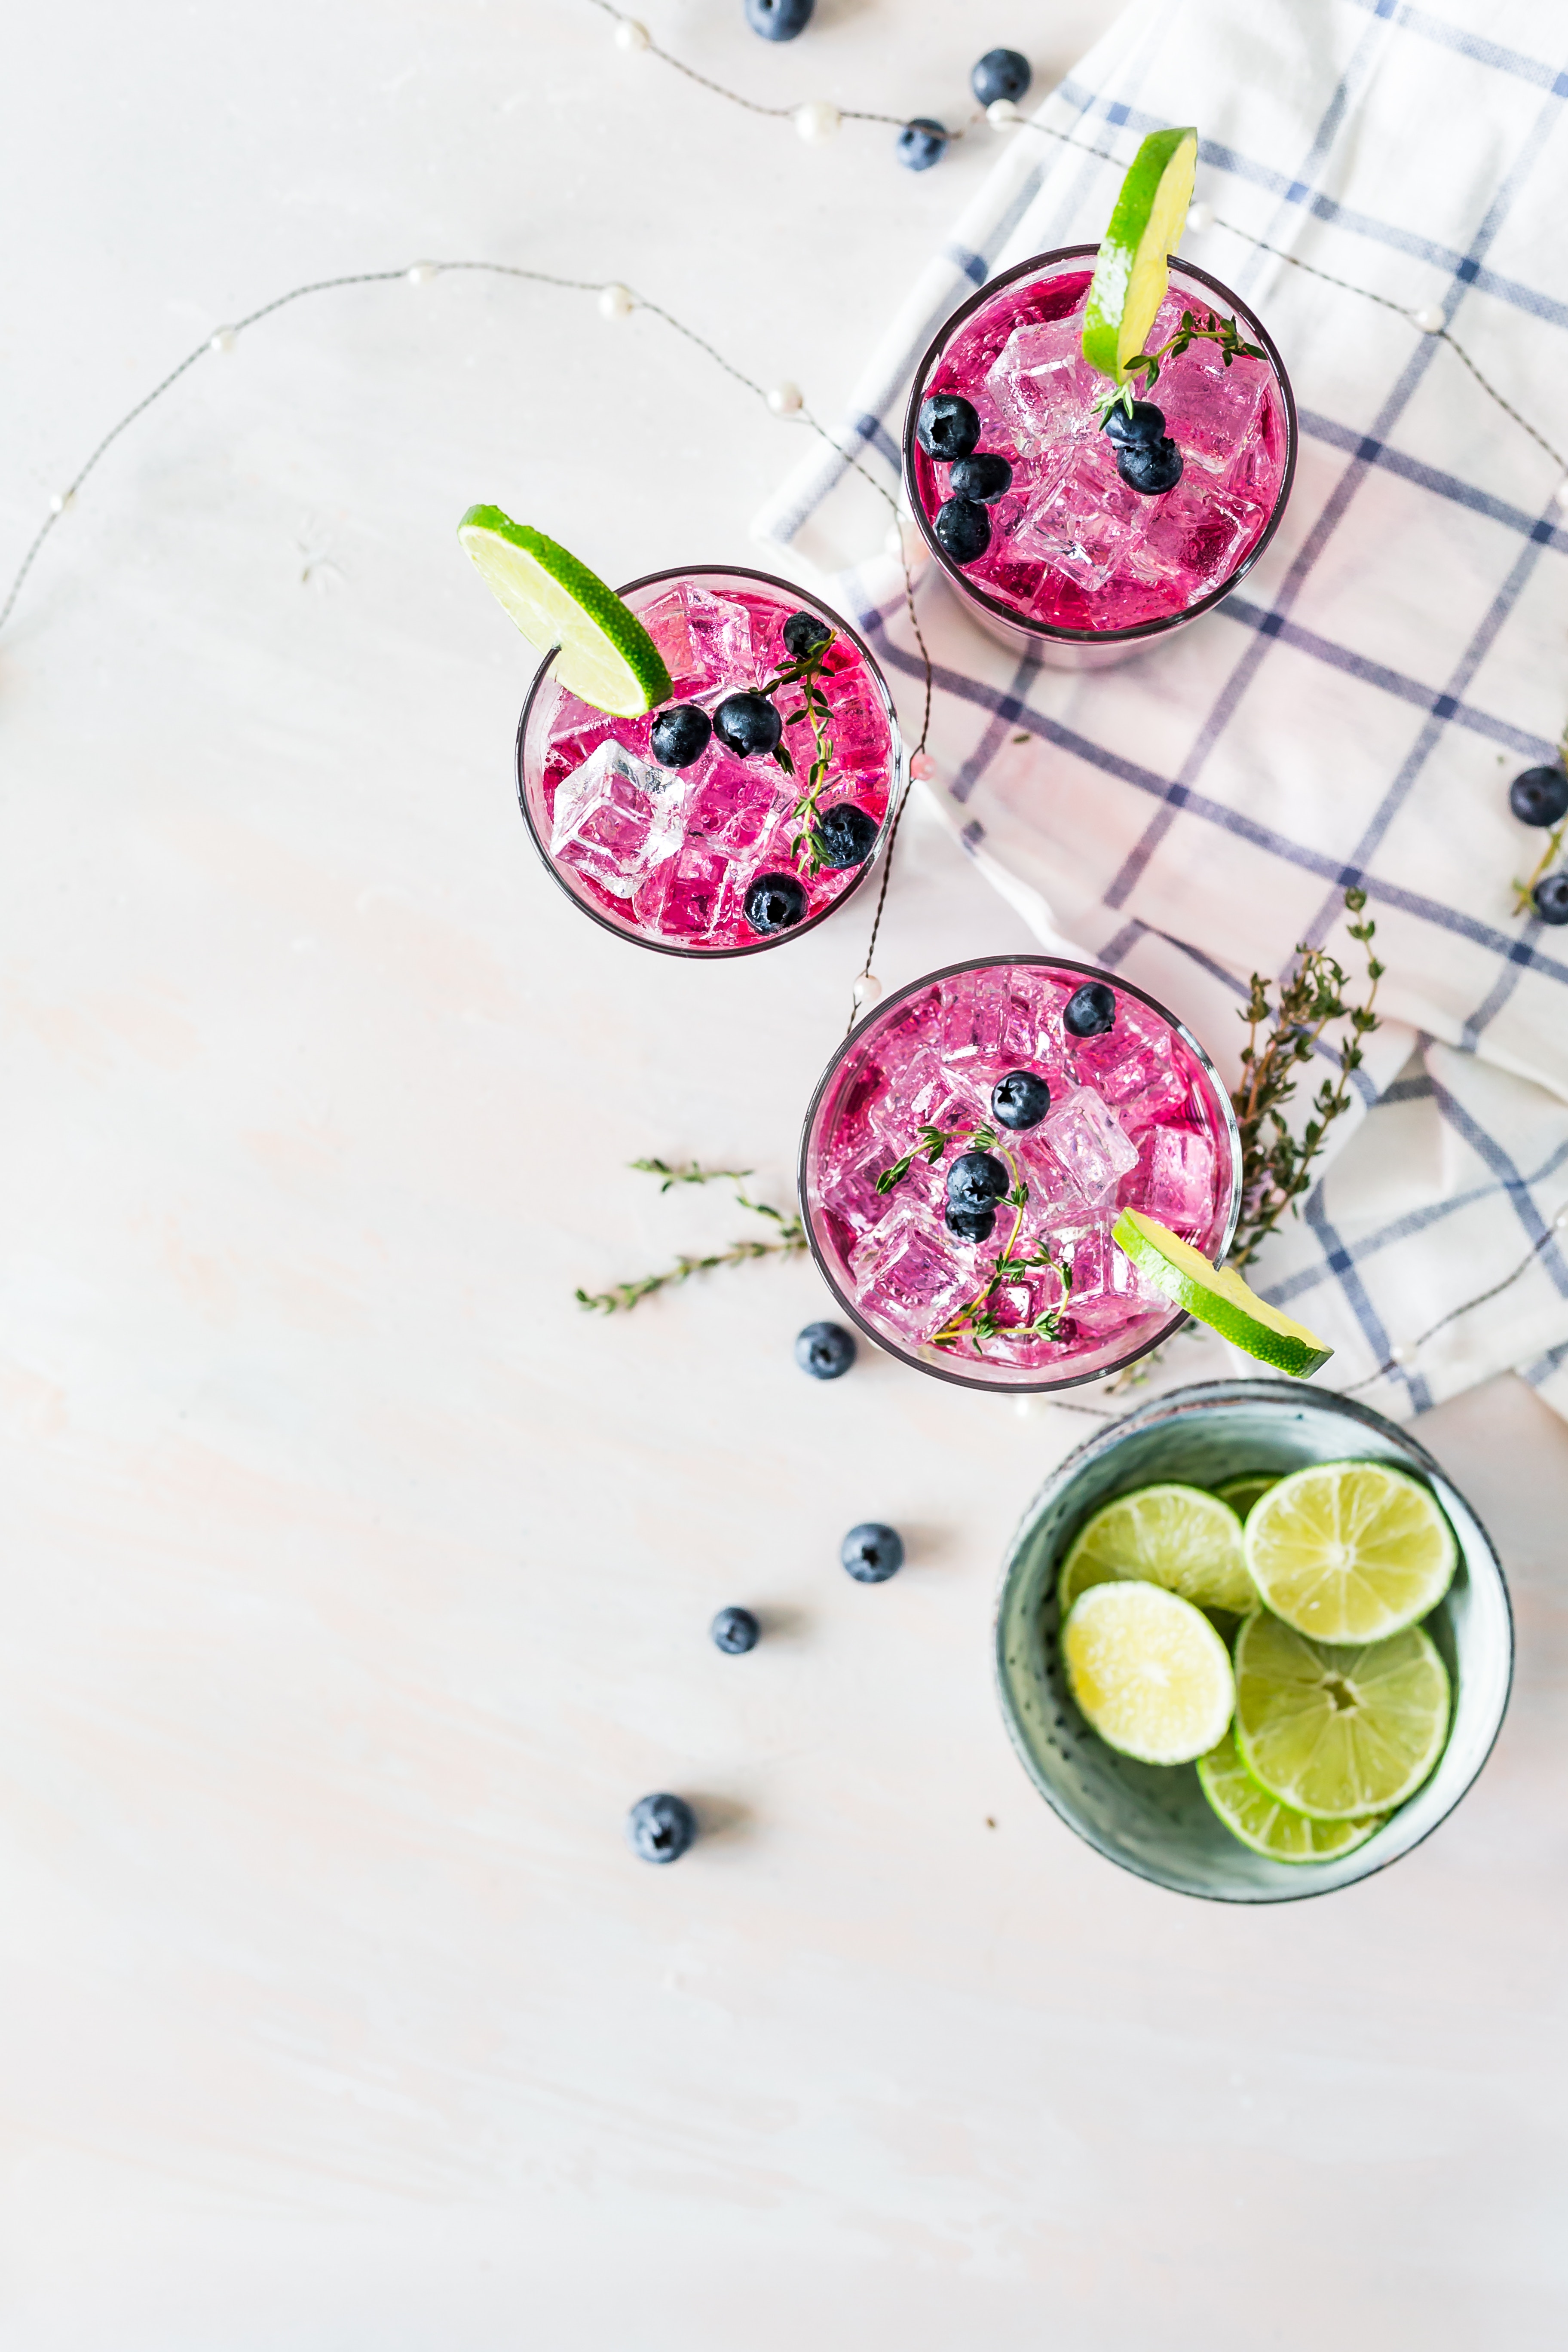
{"x":933,"y":1141}
{"x":789,"y":1241}
{"x":1146,"y":366}
{"x":806,"y":673}
{"x":976,"y":1320}
{"x":692,"y":1173}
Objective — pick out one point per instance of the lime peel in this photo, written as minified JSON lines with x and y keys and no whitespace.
{"x":1259,"y":1820}
{"x":1131,"y":272}
{"x":1178,"y":1536}
{"x":604,"y":654}
{"x":1219,"y":1297}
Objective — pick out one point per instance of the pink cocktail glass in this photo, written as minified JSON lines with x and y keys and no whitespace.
{"x":1081,"y":568}
{"x":1137,"y":1118}
{"x":666,"y":855}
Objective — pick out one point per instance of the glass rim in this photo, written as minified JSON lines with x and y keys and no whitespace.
{"x":600,"y":915}
{"x":1136,"y":632}
{"x":889,"y":1345}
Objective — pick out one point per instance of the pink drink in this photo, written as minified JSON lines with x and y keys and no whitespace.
{"x":1074,"y":553}
{"x":667,"y":855}
{"x":1136,"y":1118}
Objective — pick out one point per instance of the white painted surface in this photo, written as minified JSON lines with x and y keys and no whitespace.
{"x":352,"y":1581}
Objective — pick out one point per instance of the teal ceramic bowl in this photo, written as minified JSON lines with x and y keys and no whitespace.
{"x":1155,"y":1822}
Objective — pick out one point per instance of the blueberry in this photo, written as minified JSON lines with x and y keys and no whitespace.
{"x":1551,"y":897}
{"x":1540,"y":796}
{"x":735,"y":1631}
{"x":660,"y":1828}
{"x":969,"y":1224}
{"x":981,"y":479}
{"x":947,"y":426}
{"x":1150,"y":468}
{"x":872,"y":1553}
{"x":680,"y":735}
{"x":749,"y":724}
{"x":1145,"y":424}
{"x":774,"y":902}
{"x":1090,"y":1010}
{"x":920,"y":144}
{"x":803,"y":633}
{"x":845,"y":835}
{"x":826,"y":1351}
{"x":976,"y":1180}
{"x":1000,"y":73}
{"x":1020,"y":1099}
{"x":963,"y":529}
{"x":779,"y":20}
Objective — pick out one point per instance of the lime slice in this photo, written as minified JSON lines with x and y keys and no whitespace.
{"x":1175,"y":1535}
{"x":1261,"y":1822}
{"x":607,"y":657}
{"x":1149,"y":1672}
{"x":1217,"y":1296}
{"x":1242,"y":1493}
{"x":1337,"y":1731}
{"x":1351,"y":1551}
{"x":1133,"y":272}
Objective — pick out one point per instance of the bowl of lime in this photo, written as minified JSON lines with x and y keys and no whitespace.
{"x":1251,"y":1643}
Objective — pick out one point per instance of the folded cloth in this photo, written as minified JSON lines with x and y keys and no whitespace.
{"x":1354,"y":714}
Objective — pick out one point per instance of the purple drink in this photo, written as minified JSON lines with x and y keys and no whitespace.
{"x":1080,"y":565}
{"x":698,"y":859}
{"x":1135,"y":1119}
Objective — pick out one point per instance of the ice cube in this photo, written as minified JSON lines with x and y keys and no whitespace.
{"x":734,"y":802}
{"x":1017,"y":1305}
{"x":615,"y":818}
{"x":1087,"y":1140}
{"x":1123,"y":1059}
{"x":850,"y":1190}
{"x":976,"y":1006}
{"x":909,"y":1275}
{"x":1056,"y":1196}
{"x":1085,"y":523}
{"x":1179,"y":1188}
{"x":1196,"y":534}
{"x":1212,"y":410}
{"x":706,"y":640}
{"x":860,"y":737}
{"x":926,"y":1096}
{"x":1043,"y":384}
{"x":1104,"y":1290}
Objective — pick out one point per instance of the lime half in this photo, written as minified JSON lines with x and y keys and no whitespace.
{"x":1261,"y":1822}
{"x":1337,"y":1731}
{"x":1242,"y":1493}
{"x":1351,"y":1551}
{"x":1219,"y":1297}
{"x":1133,"y":272}
{"x":1175,"y":1536}
{"x":1149,"y":1672}
{"x":607,"y":657}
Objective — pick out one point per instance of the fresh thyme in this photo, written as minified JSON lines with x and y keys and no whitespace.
{"x":977,"y":1321}
{"x":692,"y":1173}
{"x":806,"y":673}
{"x":933,"y":1142}
{"x":1146,"y":366}
{"x":788,"y":1242}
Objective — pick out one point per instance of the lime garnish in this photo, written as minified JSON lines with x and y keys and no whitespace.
{"x":1148,"y":1670}
{"x":1351,"y":1551}
{"x":1217,"y":1296}
{"x":1338,"y":1730}
{"x":1178,"y":1536}
{"x":607,"y":657}
{"x":1242,"y":1493}
{"x":1261,"y":1822}
{"x":1133,"y":272}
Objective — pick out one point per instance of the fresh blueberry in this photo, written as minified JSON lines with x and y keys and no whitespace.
{"x":982,"y":478}
{"x":774,"y":902}
{"x":779,"y":20}
{"x":1150,"y":468}
{"x":1551,"y":897}
{"x":660,"y":1828}
{"x":1540,"y":796}
{"x":749,"y":724}
{"x":803,"y":633}
{"x":826,"y":1351}
{"x":845,"y":835}
{"x":1020,"y":1099}
{"x":948,"y":426}
{"x":1090,"y":1010}
{"x":1000,"y":73}
{"x":1145,"y":424}
{"x":680,"y":735}
{"x":969,"y":1224}
{"x":735,"y":1631}
{"x":922,"y":143}
{"x":976,"y":1180}
{"x":963,"y":529}
{"x":872,"y":1553}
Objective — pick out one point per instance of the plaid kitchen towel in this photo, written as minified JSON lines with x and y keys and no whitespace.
{"x":1355,"y":712}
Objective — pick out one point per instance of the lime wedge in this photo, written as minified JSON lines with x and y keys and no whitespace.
{"x":1175,"y":1536}
{"x":1133,"y":272}
{"x":1242,"y":1493}
{"x":1217,"y":1296}
{"x":1337,"y":1731}
{"x":607,"y":657}
{"x":1351,"y":1551}
{"x":1149,"y":1672}
{"x":1261,"y":1822}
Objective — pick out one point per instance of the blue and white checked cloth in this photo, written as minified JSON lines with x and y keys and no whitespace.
{"x":1354,"y":713}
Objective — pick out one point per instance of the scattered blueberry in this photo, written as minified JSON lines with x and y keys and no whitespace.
{"x":1146,"y":424}
{"x":1551,"y":897}
{"x":774,"y":902}
{"x":1540,"y":796}
{"x":1020,"y":1099}
{"x":845,"y":835}
{"x":872,"y":1553}
{"x":976,"y":1180}
{"x":803,"y":633}
{"x":1150,"y":468}
{"x":963,"y":529}
{"x":735,"y":1631}
{"x":948,"y":426}
{"x":922,"y":143}
{"x":1090,"y":1010}
{"x":660,"y":1828}
{"x":970,"y":1224}
{"x":983,"y":479}
{"x":779,"y":20}
{"x":1000,"y":73}
{"x":749,"y":724}
{"x":826,"y":1351}
{"x":680,"y":735}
